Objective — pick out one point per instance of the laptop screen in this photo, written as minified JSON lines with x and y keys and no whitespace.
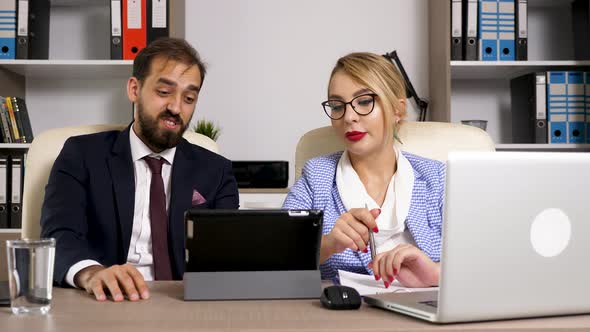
{"x":252,"y":240}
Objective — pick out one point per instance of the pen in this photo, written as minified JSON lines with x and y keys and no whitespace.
{"x":371,"y":239}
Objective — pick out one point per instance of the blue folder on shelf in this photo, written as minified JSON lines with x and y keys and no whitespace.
{"x":557,"y":107}
{"x":488,"y":30}
{"x":507,"y":32}
{"x":576,"y":131}
{"x":7,"y":29}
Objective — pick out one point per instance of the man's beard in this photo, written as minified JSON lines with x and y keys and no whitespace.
{"x":160,"y":139}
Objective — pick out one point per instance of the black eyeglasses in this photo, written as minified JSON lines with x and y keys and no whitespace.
{"x":362,"y":105}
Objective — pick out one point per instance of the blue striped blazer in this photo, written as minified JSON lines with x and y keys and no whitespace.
{"x":316,"y":189}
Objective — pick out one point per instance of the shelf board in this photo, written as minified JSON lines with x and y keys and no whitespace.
{"x":10,"y":230}
{"x":69,"y":3}
{"x":547,"y":3}
{"x":84,"y":69}
{"x":15,"y":146}
{"x":476,"y":70}
{"x":544,"y":147}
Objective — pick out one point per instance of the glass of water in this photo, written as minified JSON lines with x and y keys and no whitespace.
{"x":30,"y":275}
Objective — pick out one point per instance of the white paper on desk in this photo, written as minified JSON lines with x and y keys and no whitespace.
{"x":366,"y":284}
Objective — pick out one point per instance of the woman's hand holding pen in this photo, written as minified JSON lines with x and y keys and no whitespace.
{"x":408,"y":264}
{"x":351,"y":231}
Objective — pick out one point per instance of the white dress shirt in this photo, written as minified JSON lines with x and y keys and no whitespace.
{"x":140,"y":247}
{"x":396,"y":204}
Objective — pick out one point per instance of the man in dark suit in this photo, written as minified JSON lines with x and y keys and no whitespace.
{"x":115,"y":200}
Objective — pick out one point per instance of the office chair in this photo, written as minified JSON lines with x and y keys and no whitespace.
{"x":41,"y":156}
{"x":432,"y":140}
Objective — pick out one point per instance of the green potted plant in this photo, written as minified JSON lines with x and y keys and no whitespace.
{"x":207,"y":128}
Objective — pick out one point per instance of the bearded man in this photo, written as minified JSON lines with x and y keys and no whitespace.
{"x":115,"y":200}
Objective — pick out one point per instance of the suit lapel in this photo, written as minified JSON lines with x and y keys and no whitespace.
{"x":184,"y":169}
{"x":123,"y":178}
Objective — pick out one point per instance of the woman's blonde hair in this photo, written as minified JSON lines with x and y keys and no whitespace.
{"x":379,"y":75}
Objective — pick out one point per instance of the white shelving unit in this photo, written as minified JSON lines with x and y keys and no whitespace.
{"x":461,"y":90}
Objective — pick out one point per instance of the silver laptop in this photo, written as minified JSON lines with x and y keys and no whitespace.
{"x":516,"y":240}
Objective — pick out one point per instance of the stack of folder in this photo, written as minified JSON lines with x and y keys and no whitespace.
{"x":11,"y":189}
{"x":15,"y":125}
{"x":551,"y":107}
{"x":135,"y":24}
{"x":24,"y":29}
{"x":489,"y":30}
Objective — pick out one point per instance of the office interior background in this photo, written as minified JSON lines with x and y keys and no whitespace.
{"x":268,"y":64}
{"x":268,"y":67}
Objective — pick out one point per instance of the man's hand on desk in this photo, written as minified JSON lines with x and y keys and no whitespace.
{"x":120,"y":280}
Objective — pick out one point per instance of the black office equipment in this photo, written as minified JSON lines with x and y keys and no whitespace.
{"x":261,"y":174}
{"x":340,"y":298}
{"x":4,"y":294}
{"x":410,"y":91}
{"x":528,"y":100}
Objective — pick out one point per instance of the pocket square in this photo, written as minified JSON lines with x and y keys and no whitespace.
{"x":198,"y":199}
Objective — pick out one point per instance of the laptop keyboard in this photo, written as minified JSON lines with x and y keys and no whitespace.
{"x":431,"y":303}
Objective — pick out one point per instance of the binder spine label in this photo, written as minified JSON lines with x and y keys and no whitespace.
{"x":16,"y":174}
{"x":3,"y":174}
{"x":134,"y":14}
{"x":23,"y":18}
{"x":116,"y":18}
{"x":472,"y":18}
{"x":541,"y":98}
{"x":159,"y":13}
{"x":522,"y":19}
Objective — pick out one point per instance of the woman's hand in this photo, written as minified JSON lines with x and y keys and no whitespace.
{"x":351,"y":231}
{"x":410,"y":265}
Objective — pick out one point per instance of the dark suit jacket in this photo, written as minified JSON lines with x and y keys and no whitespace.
{"x":90,"y":197}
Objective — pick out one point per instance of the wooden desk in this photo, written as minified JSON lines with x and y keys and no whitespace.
{"x":74,"y":310}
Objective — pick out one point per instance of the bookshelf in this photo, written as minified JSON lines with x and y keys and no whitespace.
{"x":78,"y":84}
{"x":462,"y":90}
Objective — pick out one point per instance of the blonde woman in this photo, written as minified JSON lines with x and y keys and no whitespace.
{"x":373,"y":184}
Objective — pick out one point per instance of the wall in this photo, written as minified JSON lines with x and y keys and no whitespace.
{"x":270,"y":60}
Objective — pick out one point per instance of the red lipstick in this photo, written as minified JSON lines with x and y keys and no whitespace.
{"x":355,"y":135}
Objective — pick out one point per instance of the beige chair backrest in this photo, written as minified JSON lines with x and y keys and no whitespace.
{"x":41,"y":156}
{"x":432,"y":140}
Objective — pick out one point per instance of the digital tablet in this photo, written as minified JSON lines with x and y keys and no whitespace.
{"x":252,"y":240}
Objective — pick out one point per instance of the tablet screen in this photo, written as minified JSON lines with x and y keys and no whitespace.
{"x":252,"y":240}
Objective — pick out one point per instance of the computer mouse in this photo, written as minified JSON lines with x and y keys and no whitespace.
{"x":340,"y":298}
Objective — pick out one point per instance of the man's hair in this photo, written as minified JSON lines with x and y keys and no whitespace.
{"x":170,"y":49}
